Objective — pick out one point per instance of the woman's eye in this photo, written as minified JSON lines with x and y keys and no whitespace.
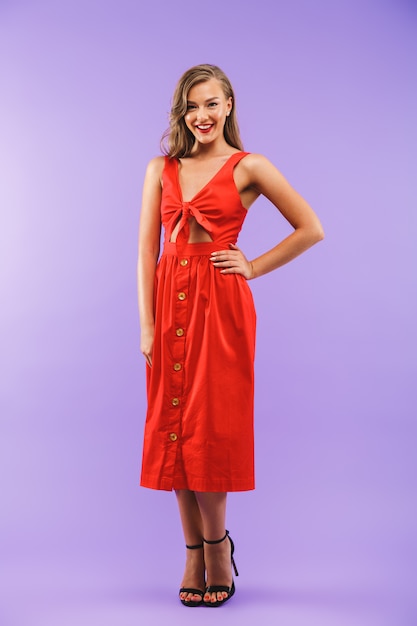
{"x":190,"y":107}
{"x":213,"y":104}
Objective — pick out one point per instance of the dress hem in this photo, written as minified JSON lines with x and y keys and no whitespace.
{"x":168,"y":485}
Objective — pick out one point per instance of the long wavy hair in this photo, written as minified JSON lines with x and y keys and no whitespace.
{"x":178,"y":140}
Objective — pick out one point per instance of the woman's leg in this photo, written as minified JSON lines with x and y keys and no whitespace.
{"x":192,"y":524}
{"x":217,"y":556}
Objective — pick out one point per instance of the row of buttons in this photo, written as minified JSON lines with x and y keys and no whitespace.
{"x":177,"y":366}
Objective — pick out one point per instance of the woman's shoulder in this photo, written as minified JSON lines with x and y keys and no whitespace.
{"x":259,"y":172}
{"x":156,"y":165}
{"x":258,"y":166}
{"x":154,"y":169}
{"x":253,"y":160}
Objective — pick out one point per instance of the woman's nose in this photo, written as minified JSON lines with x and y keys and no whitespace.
{"x":201,"y":114}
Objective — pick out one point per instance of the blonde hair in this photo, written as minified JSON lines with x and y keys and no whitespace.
{"x":179,"y":138}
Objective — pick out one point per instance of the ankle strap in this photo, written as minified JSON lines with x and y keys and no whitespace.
{"x":217,"y":540}
{"x":195,"y":547}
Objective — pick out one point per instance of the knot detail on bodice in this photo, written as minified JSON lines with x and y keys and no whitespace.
{"x":187,"y":211}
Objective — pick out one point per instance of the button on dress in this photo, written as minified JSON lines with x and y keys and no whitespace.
{"x":199,"y":423}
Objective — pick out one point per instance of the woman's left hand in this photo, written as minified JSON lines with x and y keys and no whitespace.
{"x":232,"y":261}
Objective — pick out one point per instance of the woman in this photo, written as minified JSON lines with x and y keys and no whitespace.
{"x":198,"y":320}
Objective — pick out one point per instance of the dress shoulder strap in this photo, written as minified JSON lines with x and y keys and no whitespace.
{"x":168,"y":162}
{"x":235,"y":158}
{"x":169,"y":170}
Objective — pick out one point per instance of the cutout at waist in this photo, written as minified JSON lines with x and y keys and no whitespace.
{"x":198,"y":234}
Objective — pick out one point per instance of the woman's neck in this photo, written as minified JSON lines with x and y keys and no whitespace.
{"x":211,"y":150}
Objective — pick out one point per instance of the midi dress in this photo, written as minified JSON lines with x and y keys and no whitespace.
{"x":200,"y":389}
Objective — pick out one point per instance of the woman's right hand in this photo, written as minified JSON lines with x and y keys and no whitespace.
{"x":146,"y":344}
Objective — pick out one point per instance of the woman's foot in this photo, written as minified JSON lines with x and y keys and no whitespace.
{"x":217,"y":557}
{"x":194,"y":578}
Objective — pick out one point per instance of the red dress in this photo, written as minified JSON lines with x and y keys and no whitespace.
{"x":199,"y":424}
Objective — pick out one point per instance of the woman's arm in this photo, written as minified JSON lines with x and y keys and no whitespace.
{"x":262,"y":176}
{"x":149,"y":242}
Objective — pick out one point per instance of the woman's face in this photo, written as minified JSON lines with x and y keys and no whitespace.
{"x":207,"y":108}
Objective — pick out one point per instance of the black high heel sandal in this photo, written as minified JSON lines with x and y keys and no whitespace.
{"x":196,"y":592}
{"x":216,"y":588}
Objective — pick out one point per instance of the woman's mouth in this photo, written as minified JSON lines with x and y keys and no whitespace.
{"x":204,"y":128}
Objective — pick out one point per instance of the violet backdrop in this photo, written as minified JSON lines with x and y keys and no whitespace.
{"x":326,"y":90}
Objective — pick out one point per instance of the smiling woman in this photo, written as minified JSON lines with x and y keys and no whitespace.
{"x":198,"y":318}
{"x":218,"y":90}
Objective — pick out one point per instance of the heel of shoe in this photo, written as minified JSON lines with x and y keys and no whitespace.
{"x":234,"y":567}
{"x":232,"y":545}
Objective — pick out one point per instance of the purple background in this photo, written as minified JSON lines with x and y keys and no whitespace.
{"x":327,"y":91}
